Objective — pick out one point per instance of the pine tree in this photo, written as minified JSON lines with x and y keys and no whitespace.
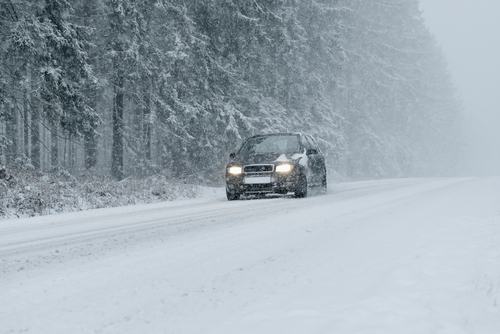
{"x":50,"y":59}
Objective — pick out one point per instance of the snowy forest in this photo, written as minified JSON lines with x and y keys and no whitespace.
{"x":168,"y":88}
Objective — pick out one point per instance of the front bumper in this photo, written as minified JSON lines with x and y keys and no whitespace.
{"x":268,"y":183}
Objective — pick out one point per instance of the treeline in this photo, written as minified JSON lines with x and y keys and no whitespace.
{"x":133,"y":87}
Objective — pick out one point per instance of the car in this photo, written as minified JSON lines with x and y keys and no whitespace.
{"x":277,"y":163}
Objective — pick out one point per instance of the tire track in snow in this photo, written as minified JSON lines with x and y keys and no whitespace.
{"x":35,"y":246}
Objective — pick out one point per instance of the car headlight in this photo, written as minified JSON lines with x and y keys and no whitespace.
{"x":283,"y":168}
{"x":234,"y":170}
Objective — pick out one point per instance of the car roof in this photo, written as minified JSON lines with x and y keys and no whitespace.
{"x":278,"y":134}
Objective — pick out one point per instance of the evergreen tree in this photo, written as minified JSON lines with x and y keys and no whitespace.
{"x":47,"y":53}
{"x":180,"y":84}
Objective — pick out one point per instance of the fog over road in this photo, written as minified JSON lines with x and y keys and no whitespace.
{"x":388,"y":256}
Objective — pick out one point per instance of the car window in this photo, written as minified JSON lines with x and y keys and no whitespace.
{"x":312,"y":143}
{"x":271,"y":144}
{"x":307,"y":143}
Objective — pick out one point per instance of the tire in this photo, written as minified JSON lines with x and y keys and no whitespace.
{"x":301,"y":188}
{"x":324,"y":185}
{"x":232,"y":196}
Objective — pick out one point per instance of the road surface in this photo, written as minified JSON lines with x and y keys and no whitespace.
{"x":388,"y":256}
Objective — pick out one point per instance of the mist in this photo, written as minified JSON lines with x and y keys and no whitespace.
{"x":468,"y":32}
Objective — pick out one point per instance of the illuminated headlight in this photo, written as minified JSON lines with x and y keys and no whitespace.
{"x":234,"y":170}
{"x":283,"y":168}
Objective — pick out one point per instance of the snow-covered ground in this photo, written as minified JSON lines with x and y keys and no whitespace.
{"x":392,"y":256}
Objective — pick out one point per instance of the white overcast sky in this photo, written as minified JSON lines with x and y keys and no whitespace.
{"x":469,"y":34}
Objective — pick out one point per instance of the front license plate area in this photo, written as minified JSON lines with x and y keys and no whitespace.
{"x":257,"y":179}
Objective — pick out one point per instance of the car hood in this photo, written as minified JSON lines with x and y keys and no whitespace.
{"x":269,"y":158}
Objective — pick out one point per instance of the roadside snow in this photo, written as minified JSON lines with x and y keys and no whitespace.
{"x":392,"y":256}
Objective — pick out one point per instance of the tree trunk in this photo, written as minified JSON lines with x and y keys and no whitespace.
{"x":90,"y":137}
{"x":11,"y":133}
{"x":54,"y":142}
{"x":147,"y":126}
{"x":117,"y":150}
{"x":26,"y":133}
{"x":90,"y":144}
{"x":35,"y":138}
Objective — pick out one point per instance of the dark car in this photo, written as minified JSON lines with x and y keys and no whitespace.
{"x":278,"y":163}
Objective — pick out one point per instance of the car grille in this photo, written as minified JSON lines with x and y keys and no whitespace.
{"x":259,"y":188}
{"x":256,"y":169}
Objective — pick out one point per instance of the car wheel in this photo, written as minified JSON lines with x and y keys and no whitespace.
{"x":301,"y":190}
{"x":232,"y":196}
{"x":324,"y":185}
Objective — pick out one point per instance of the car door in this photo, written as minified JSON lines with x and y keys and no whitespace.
{"x":316,"y":161}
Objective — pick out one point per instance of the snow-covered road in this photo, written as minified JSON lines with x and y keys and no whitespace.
{"x":390,"y":256}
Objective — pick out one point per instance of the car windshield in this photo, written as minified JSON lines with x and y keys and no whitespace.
{"x":271,"y":144}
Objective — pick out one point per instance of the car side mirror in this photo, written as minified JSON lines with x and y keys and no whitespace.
{"x":232,"y":155}
{"x":310,"y":151}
